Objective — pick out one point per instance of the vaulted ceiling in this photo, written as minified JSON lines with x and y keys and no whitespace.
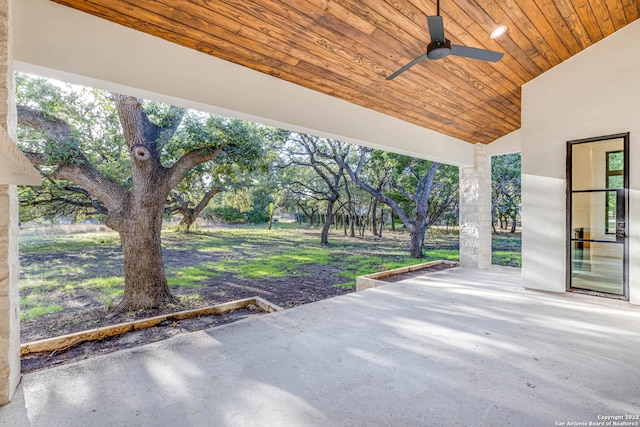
{"x":346,"y":48}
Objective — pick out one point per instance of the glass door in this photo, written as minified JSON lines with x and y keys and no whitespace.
{"x":597,"y":175}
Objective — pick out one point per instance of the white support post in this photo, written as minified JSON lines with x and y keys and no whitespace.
{"x":475,"y":211}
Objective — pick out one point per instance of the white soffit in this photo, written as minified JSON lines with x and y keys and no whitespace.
{"x":508,"y":144}
{"x":60,"y":42}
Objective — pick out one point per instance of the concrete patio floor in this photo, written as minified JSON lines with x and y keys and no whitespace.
{"x":459,"y":347}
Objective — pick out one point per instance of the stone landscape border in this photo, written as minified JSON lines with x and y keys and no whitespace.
{"x":64,"y":342}
{"x":373,"y":280}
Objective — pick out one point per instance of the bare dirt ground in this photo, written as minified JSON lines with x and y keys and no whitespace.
{"x":82,"y":308}
{"x":167,"y":329}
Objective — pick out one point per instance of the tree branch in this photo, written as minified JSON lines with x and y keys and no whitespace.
{"x":185,"y":163}
{"x":402,"y":191}
{"x":425,"y":185}
{"x":55,"y":128}
{"x":36,"y":158}
{"x":205,"y":200}
{"x":82,"y":172}
{"x":378,"y":195}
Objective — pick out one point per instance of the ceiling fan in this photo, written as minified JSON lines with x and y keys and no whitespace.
{"x":440,"y":47}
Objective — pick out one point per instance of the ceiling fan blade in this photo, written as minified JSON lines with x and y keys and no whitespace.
{"x":436,"y":28}
{"x":406,"y":67}
{"x":472,"y":52}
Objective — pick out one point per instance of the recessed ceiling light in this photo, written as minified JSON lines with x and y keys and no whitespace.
{"x":499,"y":31}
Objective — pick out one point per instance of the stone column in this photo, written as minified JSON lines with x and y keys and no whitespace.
{"x":9,"y":297}
{"x":9,"y":264}
{"x":475,"y":211}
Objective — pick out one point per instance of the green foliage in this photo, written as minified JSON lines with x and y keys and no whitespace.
{"x":91,"y":115}
{"x":399,"y":177}
{"x":505,"y":171}
{"x":96,"y":135}
{"x":248,"y":205}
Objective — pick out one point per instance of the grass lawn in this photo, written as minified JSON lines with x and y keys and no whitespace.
{"x":507,"y":249}
{"x":70,"y":280}
{"x":72,"y":276}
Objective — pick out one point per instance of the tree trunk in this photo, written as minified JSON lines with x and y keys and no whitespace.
{"x":344,"y":223}
{"x":374,"y":220}
{"x":363,"y":227}
{"x":143,"y":266}
{"x":352,"y":225}
{"x":381,"y":222}
{"x":324,"y":237}
{"x":393,"y":221}
{"x":513,"y":225}
{"x":187,"y":221}
{"x":271,"y":219}
{"x":417,"y":242}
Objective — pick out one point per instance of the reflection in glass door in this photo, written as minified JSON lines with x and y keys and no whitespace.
{"x":597,"y":174}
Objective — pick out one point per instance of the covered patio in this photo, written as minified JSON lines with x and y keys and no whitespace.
{"x":457,"y":347}
{"x":469,"y":346}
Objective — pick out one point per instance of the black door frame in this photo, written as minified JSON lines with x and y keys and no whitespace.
{"x":569,"y":231}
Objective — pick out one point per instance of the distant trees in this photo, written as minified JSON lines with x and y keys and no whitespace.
{"x":130,"y":161}
{"x":410,"y":187}
{"x":506,"y":198}
{"x":317,"y":154}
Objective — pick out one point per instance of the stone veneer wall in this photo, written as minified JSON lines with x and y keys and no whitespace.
{"x":9,"y":264}
{"x":475,"y":211}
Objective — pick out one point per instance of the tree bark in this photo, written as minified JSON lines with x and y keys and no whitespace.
{"x":324,"y":236}
{"x":352,"y":225}
{"x":135,"y":213}
{"x":374,"y":219}
{"x":417,"y":241}
{"x":190,"y":215}
{"x":416,"y":244}
{"x":146,"y":284}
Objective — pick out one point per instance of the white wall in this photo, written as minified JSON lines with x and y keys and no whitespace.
{"x":595,"y":93}
{"x":56,"y":41}
{"x":508,"y":144}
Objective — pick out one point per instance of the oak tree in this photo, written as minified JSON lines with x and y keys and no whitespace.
{"x":63,"y":145}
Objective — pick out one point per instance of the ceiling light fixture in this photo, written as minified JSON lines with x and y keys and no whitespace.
{"x":499,"y":31}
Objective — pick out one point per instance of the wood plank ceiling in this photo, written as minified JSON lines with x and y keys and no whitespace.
{"x":346,"y":48}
